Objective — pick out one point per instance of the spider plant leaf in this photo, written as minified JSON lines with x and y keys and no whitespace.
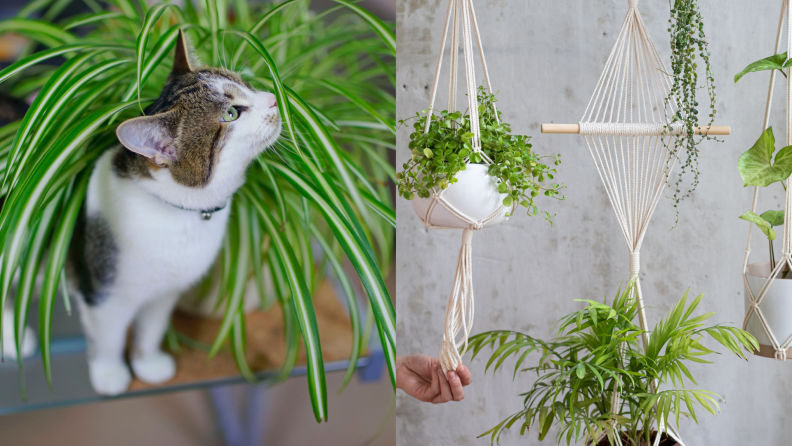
{"x":238,"y":276}
{"x":238,"y":345}
{"x":364,"y":105}
{"x":290,"y":322}
{"x":39,"y":31}
{"x":257,"y":26}
{"x":62,"y":100}
{"x":39,"y":106}
{"x":280,"y":91}
{"x":18,"y":210}
{"x":214,"y":26}
{"x":41,"y":56}
{"x":357,"y":250}
{"x":27,"y":281}
{"x":92,"y":18}
{"x":379,"y":27}
{"x":275,"y":189}
{"x":152,"y":15}
{"x":55,"y":262}
{"x":317,"y":385}
{"x":127,"y":7}
{"x":257,"y":258}
{"x":352,"y":305}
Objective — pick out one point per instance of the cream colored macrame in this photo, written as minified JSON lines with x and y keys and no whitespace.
{"x":626,"y":128}
{"x":459,"y":312}
{"x":780,"y":348}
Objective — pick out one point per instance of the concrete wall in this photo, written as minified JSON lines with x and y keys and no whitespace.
{"x":545,"y":58}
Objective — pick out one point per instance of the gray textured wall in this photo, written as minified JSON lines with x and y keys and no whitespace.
{"x":545,"y":57}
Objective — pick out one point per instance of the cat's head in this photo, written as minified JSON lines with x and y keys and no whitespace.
{"x":194,"y":144}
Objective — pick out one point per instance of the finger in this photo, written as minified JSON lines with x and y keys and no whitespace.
{"x":445,"y":390}
{"x":435,"y":385}
{"x":457,"y":393}
{"x":464,"y":375}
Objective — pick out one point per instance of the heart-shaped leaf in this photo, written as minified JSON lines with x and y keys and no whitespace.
{"x":775,"y":218}
{"x":757,"y":167}
{"x":775,"y":62}
{"x":760,"y":223}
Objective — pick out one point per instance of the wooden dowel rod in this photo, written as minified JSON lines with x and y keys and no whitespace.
{"x":715,"y":130}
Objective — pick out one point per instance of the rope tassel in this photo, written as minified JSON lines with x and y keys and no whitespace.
{"x":459,"y":312}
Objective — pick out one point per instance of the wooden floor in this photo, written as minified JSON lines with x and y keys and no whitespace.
{"x":266,"y":348}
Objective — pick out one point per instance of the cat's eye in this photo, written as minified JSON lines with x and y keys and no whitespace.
{"x":231,"y":114}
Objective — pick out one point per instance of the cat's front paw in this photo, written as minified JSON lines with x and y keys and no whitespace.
{"x":154,"y":368}
{"x":109,"y":378}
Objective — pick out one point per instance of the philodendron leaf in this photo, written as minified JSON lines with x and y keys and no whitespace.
{"x":757,"y":167}
{"x":760,"y":223}
{"x":775,"y":62}
{"x":775,"y":218}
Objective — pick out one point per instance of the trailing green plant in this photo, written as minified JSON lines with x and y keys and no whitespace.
{"x":326,"y":183}
{"x":686,"y":28}
{"x":758,"y":168}
{"x":442,"y":152}
{"x":597,"y":350}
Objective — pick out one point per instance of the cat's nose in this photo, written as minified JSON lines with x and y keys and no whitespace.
{"x":270,"y":100}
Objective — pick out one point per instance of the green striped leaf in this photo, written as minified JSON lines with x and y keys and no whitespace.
{"x":303,"y":305}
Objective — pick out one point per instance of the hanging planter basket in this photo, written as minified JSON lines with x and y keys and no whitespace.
{"x":473,"y":202}
{"x":768,"y":294}
{"x":776,"y":307}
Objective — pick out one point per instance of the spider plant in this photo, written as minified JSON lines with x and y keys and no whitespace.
{"x":325,"y":184}
{"x":598,"y":349}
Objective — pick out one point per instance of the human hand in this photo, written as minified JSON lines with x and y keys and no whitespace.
{"x":422,"y":377}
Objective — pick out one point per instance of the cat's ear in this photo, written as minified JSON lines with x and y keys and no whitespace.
{"x":149,"y":136}
{"x":184,"y":61}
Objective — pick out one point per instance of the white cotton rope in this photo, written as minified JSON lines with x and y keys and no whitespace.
{"x":459,"y":312}
{"x":626,"y":130}
{"x":780,"y":349}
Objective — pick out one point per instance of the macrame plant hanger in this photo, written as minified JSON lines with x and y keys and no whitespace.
{"x":627,"y":131}
{"x":459,"y":312}
{"x":779,"y":349}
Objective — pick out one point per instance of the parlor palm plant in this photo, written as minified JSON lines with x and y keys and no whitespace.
{"x":325,"y":183}
{"x":597,"y":349}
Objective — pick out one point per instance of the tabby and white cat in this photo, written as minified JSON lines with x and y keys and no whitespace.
{"x":156,"y":212}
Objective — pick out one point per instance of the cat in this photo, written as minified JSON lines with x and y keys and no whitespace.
{"x":156,"y":210}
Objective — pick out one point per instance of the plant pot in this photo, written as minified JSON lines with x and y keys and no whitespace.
{"x":776,"y":307}
{"x":665,"y":440}
{"x":474,"y":195}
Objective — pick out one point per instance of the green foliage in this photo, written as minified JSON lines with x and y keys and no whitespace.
{"x":688,"y":41}
{"x":437,"y":156}
{"x":761,"y":223}
{"x":326,"y":180}
{"x":775,"y":62}
{"x":597,"y":350}
{"x":757,"y":166}
{"x":775,"y":218}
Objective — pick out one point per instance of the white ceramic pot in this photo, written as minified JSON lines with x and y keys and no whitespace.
{"x":475,"y":195}
{"x":776,"y":307}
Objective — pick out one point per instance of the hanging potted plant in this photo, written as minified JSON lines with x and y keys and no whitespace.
{"x":758,"y":167}
{"x":597,"y":350}
{"x":443,"y":160}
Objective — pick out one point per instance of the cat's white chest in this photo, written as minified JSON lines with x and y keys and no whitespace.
{"x":160,"y":249}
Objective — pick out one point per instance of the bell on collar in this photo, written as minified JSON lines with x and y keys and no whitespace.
{"x":206,"y":215}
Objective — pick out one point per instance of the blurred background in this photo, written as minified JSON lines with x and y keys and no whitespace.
{"x":222,"y":412}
